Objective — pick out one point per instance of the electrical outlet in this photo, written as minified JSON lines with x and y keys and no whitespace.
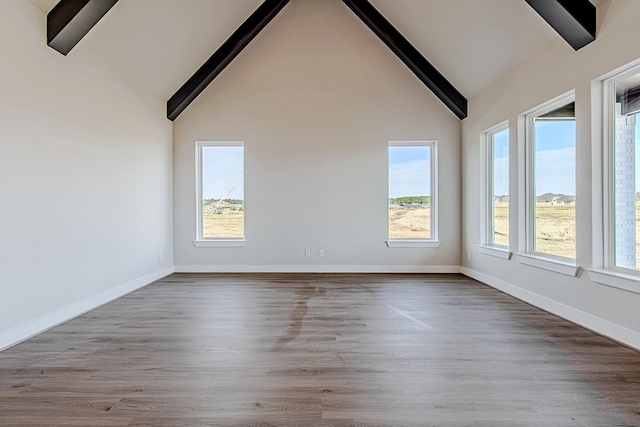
{"x":161,"y":256}
{"x":307,"y":252}
{"x":320,"y":252}
{"x":469,"y":254}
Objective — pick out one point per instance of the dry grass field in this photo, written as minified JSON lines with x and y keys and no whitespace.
{"x":555,"y":228}
{"x":224,"y":225}
{"x":409,"y":223}
{"x":501,"y":224}
{"x":403,"y":224}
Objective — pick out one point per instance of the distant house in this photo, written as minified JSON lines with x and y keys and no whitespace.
{"x":563,"y":200}
{"x":546,"y":198}
{"x":501,"y":199}
{"x":223,"y":206}
{"x":556,"y":199}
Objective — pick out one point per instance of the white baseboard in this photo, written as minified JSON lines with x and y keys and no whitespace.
{"x":589,"y":321}
{"x":317,"y":269}
{"x":34,"y":327}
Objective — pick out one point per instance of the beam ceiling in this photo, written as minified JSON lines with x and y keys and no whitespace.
{"x":223,"y":56}
{"x":574,"y":20}
{"x":417,"y":63}
{"x":70,"y":20}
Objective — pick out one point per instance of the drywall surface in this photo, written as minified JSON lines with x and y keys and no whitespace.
{"x":85,"y":177}
{"x":552,"y":71}
{"x":316,"y":98}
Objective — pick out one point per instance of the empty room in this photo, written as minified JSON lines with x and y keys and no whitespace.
{"x":345,"y":213}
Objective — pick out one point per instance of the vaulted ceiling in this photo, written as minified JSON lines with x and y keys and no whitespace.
{"x":162,"y":43}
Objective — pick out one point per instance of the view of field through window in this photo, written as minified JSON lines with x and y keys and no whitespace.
{"x":222,"y":191}
{"x":499,"y":213}
{"x":409,"y":191}
{"x":554,"y":182}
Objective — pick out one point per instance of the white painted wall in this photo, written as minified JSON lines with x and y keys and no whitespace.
{"x":316,"y":97}
{"x":550,"y":72}
{"x":85,"y":179}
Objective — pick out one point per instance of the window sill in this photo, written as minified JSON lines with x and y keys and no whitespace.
{"x":546,"y":263}
{"x":413,"y":243}
{"x":496,"y":251}
{"x":616,"y":279}
{"x":220,"y":243}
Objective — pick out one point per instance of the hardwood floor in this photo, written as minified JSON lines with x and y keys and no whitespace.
{"x":324,"y":350}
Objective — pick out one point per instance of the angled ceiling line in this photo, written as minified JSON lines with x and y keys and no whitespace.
{"x":574,"y":20}
{"x":223,"y":56}
{"x":410,"y":56}
{"x":70,"y":20}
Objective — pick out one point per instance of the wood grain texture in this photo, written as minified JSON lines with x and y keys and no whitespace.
{"x":324,"y":350}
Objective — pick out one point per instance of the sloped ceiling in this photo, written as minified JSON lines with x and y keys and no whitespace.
{"x":472,"y":43}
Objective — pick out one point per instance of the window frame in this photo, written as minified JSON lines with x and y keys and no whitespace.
{"x":487,"y":214}
{"x":608,"y":176}
{"x":604,"y":270}
{"x":200,"y":240}
{"x":431,"y":242}
{"x":526,"y":218}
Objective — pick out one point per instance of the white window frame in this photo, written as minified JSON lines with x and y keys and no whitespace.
{"x":487,"y":245}
{"x":433,"y":241}
{"x":200,"y":240}
{"x":604,"y":270}
{"x":526,"y":220}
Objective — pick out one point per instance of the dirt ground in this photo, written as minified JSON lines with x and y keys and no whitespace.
{"x":409,"y":223}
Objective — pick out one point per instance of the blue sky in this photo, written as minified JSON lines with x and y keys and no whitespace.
{"x":555,"y":158}
{"x":501,"y":163}
{"x":409,"y":165}
{"x":409,"y":173}
{"x":221,"y":166}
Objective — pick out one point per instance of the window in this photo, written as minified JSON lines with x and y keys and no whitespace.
{"x":496,"y":188}
{"x":624,"y":171}
{"x":412,"y":193}
{"x":551,"y":179}
{"x":220,"y":193}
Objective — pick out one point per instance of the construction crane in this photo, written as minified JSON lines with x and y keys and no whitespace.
{"x":216,"y":206}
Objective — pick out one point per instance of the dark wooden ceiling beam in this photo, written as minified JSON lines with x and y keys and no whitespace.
{"x":223,"y":56}
{"x":70,"y":20}
{"x":410,"y":56}
{"x":574,"y":20}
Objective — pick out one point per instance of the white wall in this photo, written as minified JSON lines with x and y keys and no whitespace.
{"x":85,"y":179}
{"x":550,"y":72}
{"x":316,"y":97}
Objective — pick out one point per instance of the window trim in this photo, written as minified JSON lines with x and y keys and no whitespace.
{"x":526,"y":177}
{"x":487,"y":195}
{"x":433,"y":198}
{"x":200,"y":240}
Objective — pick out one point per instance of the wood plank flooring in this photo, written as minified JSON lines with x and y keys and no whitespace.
{"x":324,"y":350}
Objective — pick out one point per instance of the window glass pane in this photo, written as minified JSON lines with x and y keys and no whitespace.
{"x":554,"y":186}
{"x":626,"y":178}
{"x":500,"y":189}
{"x":222,"y":191}
{"x":409,"y":192}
